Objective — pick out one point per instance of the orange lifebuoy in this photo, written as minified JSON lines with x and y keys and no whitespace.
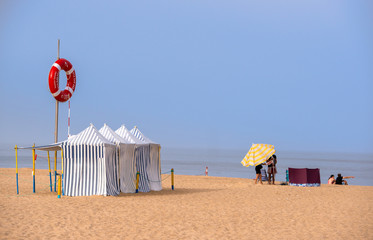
{"x":64,"y":95}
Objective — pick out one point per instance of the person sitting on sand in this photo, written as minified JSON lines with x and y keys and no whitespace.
{"x":331,"y":179}
{"x":258,"y":173}
{"x":271,"y":162}
{"x":340,"y":180}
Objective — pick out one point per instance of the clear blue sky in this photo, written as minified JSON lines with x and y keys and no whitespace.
{"x":208,"y":74}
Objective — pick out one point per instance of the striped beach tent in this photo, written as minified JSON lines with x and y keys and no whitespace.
{"x":154,"y":168}
{"x":90,"y":165}
{"x":126,"y":159}
{"x":258,"y":153}
{"x":142,"y":159}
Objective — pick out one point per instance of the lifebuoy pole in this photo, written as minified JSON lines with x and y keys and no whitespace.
{"x":68,"y":122}
{"x":56,"y":128}
{"x":56,"y":115}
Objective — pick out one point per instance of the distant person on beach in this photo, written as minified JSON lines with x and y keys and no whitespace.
{"x":340,"y":179}
{"x":258,"y":173}
{"x":331,"y":179}
{"x":271,"y":162}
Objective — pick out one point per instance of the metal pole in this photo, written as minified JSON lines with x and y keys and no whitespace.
{"x":16,"y":148}
{"x":50,"y":175}
{"x":68,"y":122}
{"x":56,"y":128}
{"x":56,"y":115}
{"x":137,"y":181}
{"x":172,"y":178}
{"x":33,"y":168}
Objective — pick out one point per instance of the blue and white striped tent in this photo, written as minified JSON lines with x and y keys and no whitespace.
{"x":142,"y":158}
{"x":154,"y":168}
{"x":126,"y":159}
{"x":90,"y":165}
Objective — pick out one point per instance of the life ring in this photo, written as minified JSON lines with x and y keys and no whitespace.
{"x":64,"y":95}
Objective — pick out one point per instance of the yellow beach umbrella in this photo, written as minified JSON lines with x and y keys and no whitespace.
{"x":258,"y":153}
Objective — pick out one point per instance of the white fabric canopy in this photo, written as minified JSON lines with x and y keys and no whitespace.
{"x":142,"y":158}
{"x":50,"y":147}
{"x":90,"y":165}
{"x":126,"y":159}
{"x":154,"y":165}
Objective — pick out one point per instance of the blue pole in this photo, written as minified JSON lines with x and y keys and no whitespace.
{"x":63,"y":192}
{"x":287,"y":175}
{"x":50,"y":180}
{"x":33,"y":181}
{"x":55,"y":181}
{"x":17,"y":183}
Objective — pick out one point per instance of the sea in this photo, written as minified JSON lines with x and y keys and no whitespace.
{"x":227,"y":163}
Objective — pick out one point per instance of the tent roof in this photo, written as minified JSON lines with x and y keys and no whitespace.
{"x":138,"y":134}
{"x":90,"y":136}
{"x":127,"y":135}
{"x":51,"y":147}
{"x":112,"y":136}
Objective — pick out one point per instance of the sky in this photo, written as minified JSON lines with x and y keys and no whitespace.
{"x":193,"y":74}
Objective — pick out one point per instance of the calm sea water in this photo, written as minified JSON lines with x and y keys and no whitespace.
{"x":227,"y":163}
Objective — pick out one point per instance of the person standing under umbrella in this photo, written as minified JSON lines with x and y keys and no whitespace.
{"x":271,"y":162}
{"x":258,"y":172}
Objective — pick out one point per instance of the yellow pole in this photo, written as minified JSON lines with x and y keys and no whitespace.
{"x":33,"y":167}
{"x":50,"y":175}
{"x":59,"y":186}
{"x":172,"y":178}
{"x":62,"y":171}
{"x":137,"y":181}
{"x":55,"y":170}
{"x":16,"y":148}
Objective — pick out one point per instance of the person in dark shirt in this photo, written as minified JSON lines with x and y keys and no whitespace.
{"x":341,"y":180}
{"x":258,"y":173}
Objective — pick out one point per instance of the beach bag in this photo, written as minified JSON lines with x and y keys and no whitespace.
{"x":264,"y":174}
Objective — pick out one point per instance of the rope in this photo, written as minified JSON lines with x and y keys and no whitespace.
{"x":158,"y":180}
{"x":166,"y":177}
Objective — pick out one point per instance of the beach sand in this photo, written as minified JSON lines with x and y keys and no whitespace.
{"x":200,"y":207}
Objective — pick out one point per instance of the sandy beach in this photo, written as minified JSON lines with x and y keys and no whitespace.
{"x":200,"y":207}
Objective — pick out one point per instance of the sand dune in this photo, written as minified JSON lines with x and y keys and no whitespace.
{"x":199,"y":208}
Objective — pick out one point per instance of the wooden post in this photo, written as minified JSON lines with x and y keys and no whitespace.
{"x":137,"y":181}
{"x":56,"y":126}
{"x":17,"y":167}
{"x":172,"y":178}
{"x":33,"y":168}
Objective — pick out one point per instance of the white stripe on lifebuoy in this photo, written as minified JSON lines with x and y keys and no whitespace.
{"x":56,"y":93}
{"x":70,"y":90}
{"x":57,"y":66}
{"x":70,"y":71}
{"x":65,"y":94}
